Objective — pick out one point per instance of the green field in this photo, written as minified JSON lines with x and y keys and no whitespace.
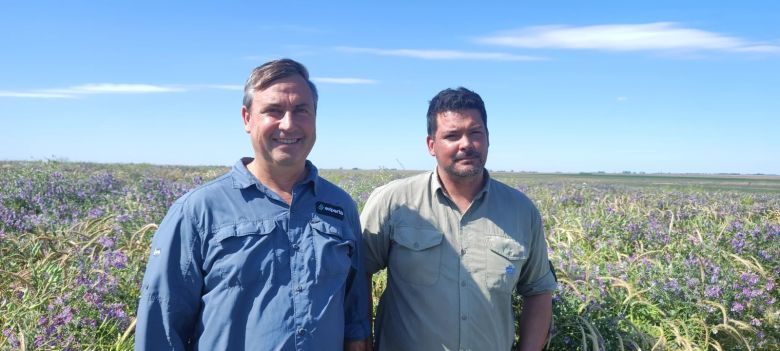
{"x":645,"y":262}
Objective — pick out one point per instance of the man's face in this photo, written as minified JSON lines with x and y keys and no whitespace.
{"x":460,"y":143}
{"x":281,"y":122}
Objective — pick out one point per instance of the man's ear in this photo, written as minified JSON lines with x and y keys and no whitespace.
{"x":429,"y":141}
{"x":245,"y":115}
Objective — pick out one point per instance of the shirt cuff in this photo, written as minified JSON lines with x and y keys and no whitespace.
{"x":542,"y":285}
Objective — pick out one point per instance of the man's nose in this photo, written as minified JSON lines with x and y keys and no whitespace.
{"x":466,"y":143}
{"x":286,"y":122}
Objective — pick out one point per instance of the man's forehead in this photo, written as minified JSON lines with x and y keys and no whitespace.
{"x":286,"y":89}
{"x":454,"y":119}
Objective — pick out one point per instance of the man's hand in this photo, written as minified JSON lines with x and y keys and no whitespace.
{"x":359,"y":345}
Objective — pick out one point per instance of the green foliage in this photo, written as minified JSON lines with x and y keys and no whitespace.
{"x":644,"y":262}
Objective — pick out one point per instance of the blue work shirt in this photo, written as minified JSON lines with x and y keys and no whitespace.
{"x":234,"y":267}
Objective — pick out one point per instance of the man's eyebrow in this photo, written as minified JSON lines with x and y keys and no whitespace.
{"x":272,"y":105}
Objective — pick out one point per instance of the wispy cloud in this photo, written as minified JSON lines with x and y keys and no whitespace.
{"x":344,"y":80}
{"x":32,"y":94}
{"x":107,"y":88}
{"x":659,"y":36}
{"x":441,"y":54}
{"x":83,"y":90}
{"x":110,"y":88}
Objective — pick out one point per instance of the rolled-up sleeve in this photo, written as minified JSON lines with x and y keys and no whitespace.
{"x":536,"y":277}
{"x":356,"y":296}
{"x":170,"y":294}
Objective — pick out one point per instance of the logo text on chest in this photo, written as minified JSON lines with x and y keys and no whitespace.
{"x":329,"y":210}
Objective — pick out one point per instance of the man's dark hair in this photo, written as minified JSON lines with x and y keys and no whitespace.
{"x":262,"y":77}
{"x":454,"y":100}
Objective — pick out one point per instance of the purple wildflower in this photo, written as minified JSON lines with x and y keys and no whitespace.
{"x":712,"y":291}
{"x":106,"y":242}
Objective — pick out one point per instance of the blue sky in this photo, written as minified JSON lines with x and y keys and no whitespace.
{"x":654,"y":86}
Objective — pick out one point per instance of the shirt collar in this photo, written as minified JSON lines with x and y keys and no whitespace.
{"x":437,"y":187}
{"x":243,"y":179}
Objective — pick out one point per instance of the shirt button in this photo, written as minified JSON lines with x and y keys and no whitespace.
{"x":462,"y":283}
{"x":295,"y":246}
{"x":301,"y":331}
{"x":462,"y":252}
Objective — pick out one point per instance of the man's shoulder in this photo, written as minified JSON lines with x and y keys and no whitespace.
{"x":214,"y":189}
{"x":412,"y":183}
{"x":507,"y":194}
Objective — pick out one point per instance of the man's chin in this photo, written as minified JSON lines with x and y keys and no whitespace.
{"x":465,"y":172}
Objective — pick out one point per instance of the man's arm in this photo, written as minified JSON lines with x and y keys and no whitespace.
{"x":356,"y":300}
{"x":535,"y":321}
{"x":170,"y":293}
{"x":376,"y":244}
{"x":536,"y":285}
{"x":365,"y":345}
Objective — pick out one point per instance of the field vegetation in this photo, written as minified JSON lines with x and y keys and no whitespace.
{"x":644,"y":262}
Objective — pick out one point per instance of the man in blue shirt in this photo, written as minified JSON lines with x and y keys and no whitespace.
{"x":267,"y":256}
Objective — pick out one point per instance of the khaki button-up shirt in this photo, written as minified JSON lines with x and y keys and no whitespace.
{"x":450,"y":275}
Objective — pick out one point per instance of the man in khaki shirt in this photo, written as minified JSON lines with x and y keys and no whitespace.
{"x":457,"y":244}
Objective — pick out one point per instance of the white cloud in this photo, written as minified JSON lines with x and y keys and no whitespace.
{"x":103,"y":88}
{"x":110,"y":88}
{"x":441,"y":54}
{"x":38,"y":95}
{"x":621,"y":98}
{"x":78,"y":91}
{"x":625,"y":37}
{"x":344,"y":80}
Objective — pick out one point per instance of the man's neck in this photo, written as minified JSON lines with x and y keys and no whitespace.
{"x":279,"y":179}
{"x":462,"y":190}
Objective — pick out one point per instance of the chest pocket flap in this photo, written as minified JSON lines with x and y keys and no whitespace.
{"x":417,"y":258}
{"x":508,"y":248}
{"x":263,"y":227}
{"x":326,"y":228}
{"x":417,"y":239}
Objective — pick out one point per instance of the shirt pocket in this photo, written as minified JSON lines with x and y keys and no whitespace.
{"x":244,"y":254}
{"x":505,"y":259}
{"x":332,"y":248}
{"x":416,"y":257}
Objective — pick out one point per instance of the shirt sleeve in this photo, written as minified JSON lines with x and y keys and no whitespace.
{"x":376,"y":237}
{"x":170,"y":294}
{"x":356,"y":299}
{"x":536,"y":277}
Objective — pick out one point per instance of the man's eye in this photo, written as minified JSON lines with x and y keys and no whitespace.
{"x":274,"y":112}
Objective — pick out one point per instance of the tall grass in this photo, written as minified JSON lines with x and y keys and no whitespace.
{"x":639,"y":267}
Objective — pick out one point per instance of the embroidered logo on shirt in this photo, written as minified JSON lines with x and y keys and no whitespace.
{"x":329,"y":210}
{"x":510,"y":269}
